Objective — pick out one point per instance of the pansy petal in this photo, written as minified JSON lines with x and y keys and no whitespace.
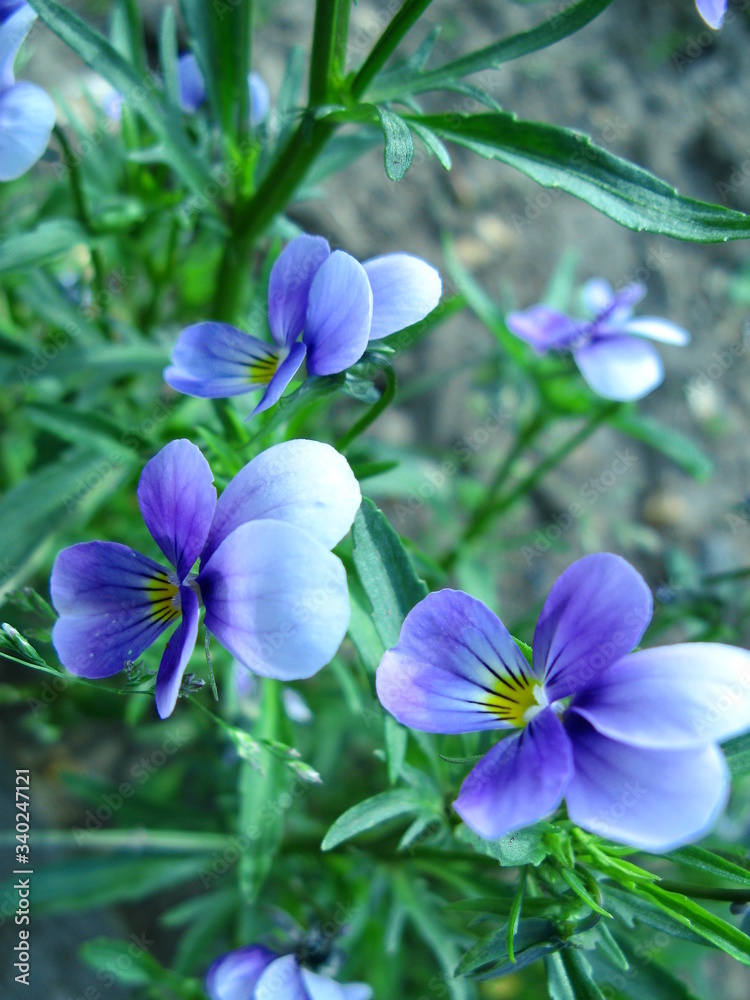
{"x":260,"y":98}
{"x":620,"y":367}
{"x":215,"y":360}
{"x":712,"y":11}
{"x":191,"y":83}
{"x":235,"y":975}
{"x":596,"y":612}
{"x":307,"y":483}
{"x":654,"y":800}
{"x":357,"y":991}
{"x":17,"y":20}
{"x":596,"y":296}
{"x":113,"y":603}
{"x":281,"y":980}
{"x":281,"y":378}
{"x":27,"y":117}
{"x":672,"y":696}
{"x":276,"y":599}
{"x":520,"y":781}
{"x":544,"y":328}
{"x":289,"y":285}
{"x":321,"y":987}
{"x":339,"y":314}
{"x":177,"y":497}
{"x":10,"y":7}
{"x":404,"y":290}
{"x":657,"y":329}
{"x":176,"y":655}
{"x":621,"y":303}
{"x":455,"y":668}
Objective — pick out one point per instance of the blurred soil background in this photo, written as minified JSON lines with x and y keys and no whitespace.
{"x":649,"y":82}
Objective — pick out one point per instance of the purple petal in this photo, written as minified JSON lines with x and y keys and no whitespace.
{"x":176,"y":655}
{"x":597,"y":295}
{"x":357,"y":991}
{"x":520,"y":781}
{"x":10,"y":7}
{"x":600,"y":299}
{"x":621,"y":368}
{"x":276,"y":599}
{"x":289,"y":285}
{"x":544,"y":328}
{"x":192,"y":84}
{"x":596,"y":612}
{"x":235,"y":975}
{"x":671,"y":697}
{"x":321,"y":987}
{"x":654,"y":800}
{"x":260,"y":99}
{"x":339,"y":313}
{"x":113,"y":603}
{"x":16,"y":23}
{"x":404,"y":290}
{"x":306,"y":483}
{"x":177,"y":498}
{"x":282,"y":980}
{"x":215,"y":360}
{"x":657,"y":329}
{"x":455,"y":669}
{"x":712,"y":11}
{"x":283,"y":375}
{"x":27,"y":117}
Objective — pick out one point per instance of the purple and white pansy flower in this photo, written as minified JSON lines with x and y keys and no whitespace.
{"x":274,"y":594}
{"x":323,"y":309}
{"x":257,"y":973}
{"x":712,"y":11}
{"x":628,"y":739}
{"x":27,"y":114}
{"x":611,"y":348}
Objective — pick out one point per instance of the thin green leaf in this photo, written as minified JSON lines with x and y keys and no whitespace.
{"x":562,"y":158}
{"x":385,"y":571}
{"x":370,"y":813}
{"x":707,"y":861}
{"x":680,"y":449}
{"x":51,"y":239}
{"x":569,"y":977}
{"x":514,"y":917}
{"x":399,"y":145}
{"x":737,"y":753}
{"x":693,"y":916}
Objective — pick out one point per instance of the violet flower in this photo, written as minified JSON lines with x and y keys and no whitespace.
{"x":193,"y":89}
{"x":274,"y":594}
{"x":27,"y":114}
{"x":332,"y":302}
{"x":257,"y":973}
{"x":629,"y":740}
{"x":609,"y":349}
{"x":712,"y":11}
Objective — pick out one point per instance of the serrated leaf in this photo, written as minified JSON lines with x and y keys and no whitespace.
{"x":370,"y":813}
{"x":562,"y":158}
{"x":399,"y":145}
{"x":385,"y":571}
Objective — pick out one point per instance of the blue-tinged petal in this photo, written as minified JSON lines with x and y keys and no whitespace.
{"x":260,"y":99}
{"x":520,"y":781}
{"x":620,"y":367}
{"x":306,"y":483}
{"x":404,"y":290}
{"x":282,"y":980}
{"x":27,"y":117}
{"x":177,"y":497}
{"x":672,"y":696}
{"x":455,"y":669}
{"x":235,"y":975}
{"x":544,"y":328}
{"x":276,"y":599}
{"x":596,"y":296}
{"x":339,"y":314}
{"x":357,"y":991}
{"x":17,"y":20}
{"x":654,"y":800}
{"x":324,"y":988}
{"x":287,"y":368}
{"x":192,"y":84}
{"x":289,"y":285}
{"x":613,"y":307}
{"x":177,"y":654}
{"x":656,"y":329}
{"x":215,"y":360}
{"x":113,"y":603}
{"x":596,"y":612}
{"x":712,"y":11}
{"x":10,"y":7}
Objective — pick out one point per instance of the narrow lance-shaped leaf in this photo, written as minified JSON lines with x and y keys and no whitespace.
{"x":562,"y":158}
{"x":399,"y":145}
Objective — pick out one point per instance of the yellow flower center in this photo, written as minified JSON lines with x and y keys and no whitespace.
{"x":165,"y":597}
{"x":517,"y":700}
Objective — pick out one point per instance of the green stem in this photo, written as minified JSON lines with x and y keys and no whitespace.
{"x":732,"y":574}
{"x":137,"y":840}
{"x":331,"y":22}
{"x":386,"y":398}
{"x":407,"y":16}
